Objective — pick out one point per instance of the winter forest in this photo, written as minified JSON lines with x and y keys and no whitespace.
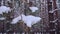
{"x":29,"y":16}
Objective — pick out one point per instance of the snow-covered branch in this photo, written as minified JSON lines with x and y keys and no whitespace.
{"x":4,"y":9}
{"x":29,"y":20}
{"x":33,"y":9}
{"x":2,"y":18}
{"x":53,"y":11}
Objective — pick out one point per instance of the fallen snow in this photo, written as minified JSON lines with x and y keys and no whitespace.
{"x":29,"y":20}
{"x":33,"y":9}
{"x":4,"y":9}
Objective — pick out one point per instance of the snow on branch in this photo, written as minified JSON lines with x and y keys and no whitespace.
{"x":2,"y":18}
{"x":4,"y":9}
{"x":29,"y":20}
{"x":33,"y":9}
{"x":54,"y":10}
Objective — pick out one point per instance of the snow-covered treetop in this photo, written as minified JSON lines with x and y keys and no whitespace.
{"x":29,"y":20}
{"x":4,"y":9}
{"x":33,"y":9}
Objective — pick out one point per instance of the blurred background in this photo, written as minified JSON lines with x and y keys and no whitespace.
{"x":29,"y":16}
